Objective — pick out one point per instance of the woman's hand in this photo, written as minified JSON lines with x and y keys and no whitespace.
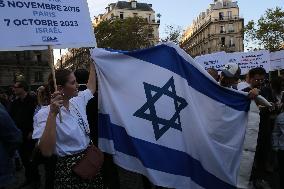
{"x":56,"y":102}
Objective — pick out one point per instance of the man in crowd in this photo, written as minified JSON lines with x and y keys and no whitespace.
{"x":22,"y":112}
{"x":214,"y":73}
{"x":256,"y":78}
{"x":230,"y":75}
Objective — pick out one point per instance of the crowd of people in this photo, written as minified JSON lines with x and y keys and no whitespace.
{"x":55,"y":125}
{"x":269,"y":145}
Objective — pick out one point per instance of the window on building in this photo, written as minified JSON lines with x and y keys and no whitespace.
{"x":232,"y":43}
{"x":135,"y":14}
{"x":18,"y":58}
{"x":39,"y":58}
{"x":224,"y":3}
{"x":223,"y":40}
{"x":222,"y":29}
{"x":221,"y":16}
{"x":133,"y":4}
{"x":27,"y":55}
{"x":231,"y":28}
{"x":121,"y":15}
{"x":38,"y":76}
{"x":149,"y":18}
{"x":230,"y":14}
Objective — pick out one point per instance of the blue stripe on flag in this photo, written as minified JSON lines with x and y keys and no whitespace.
{"x":158,"y":157}
{"x":167,"y":57}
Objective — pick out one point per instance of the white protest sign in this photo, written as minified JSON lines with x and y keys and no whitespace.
{"x":58,"y":23}
{"x":277,"y":60}
{"x":214,"y":60}
{"x":249,"y":60}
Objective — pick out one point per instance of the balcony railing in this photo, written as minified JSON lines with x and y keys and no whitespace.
{"x":225,"y":18}
{"x":214,"y":19}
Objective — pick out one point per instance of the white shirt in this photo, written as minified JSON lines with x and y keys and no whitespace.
{"x":242,"y":85}
{"x":70,"y":137}
{"x":38,"y":132}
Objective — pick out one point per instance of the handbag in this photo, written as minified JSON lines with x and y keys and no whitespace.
{"x":90,"y":164}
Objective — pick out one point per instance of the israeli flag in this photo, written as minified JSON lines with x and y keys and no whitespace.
{"x":163,"y":116}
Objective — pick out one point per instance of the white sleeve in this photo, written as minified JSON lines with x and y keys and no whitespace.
{"x":39,"y":124}
{"x":83,"y":98}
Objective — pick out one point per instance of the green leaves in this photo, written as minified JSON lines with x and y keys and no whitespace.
{"x":125,"y":34}
{"x":268,"y":33}
{"x":173,"y":34}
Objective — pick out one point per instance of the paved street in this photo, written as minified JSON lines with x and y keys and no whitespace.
{"x":126,"y":183}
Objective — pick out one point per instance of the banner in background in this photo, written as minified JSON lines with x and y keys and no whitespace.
{"x":277,"y":60}
{"x":249,"y":60}
{"x":246,"y":60}
{"x":214,"y":60}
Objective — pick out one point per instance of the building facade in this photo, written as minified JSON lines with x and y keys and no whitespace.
{"x":131,"y":8}
{"x":219,"y":28}
{"x":31,"y":66}
{"x":75,"y":59}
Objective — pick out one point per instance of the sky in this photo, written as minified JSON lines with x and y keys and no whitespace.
{"x":182,"y":12}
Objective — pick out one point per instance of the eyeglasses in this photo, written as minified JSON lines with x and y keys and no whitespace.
{"x":259,"y":80}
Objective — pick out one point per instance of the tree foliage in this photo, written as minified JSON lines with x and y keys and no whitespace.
{"x":268,"y":32}
{"x":173,"y":33}
{"x":124,"y":34}
{"x":77,"y":58}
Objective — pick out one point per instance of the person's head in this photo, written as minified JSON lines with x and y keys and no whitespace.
{"x":230,"y":75}
{"x":66,"y":83}
{"x":276,"y":85}
{"x":3,"y":95}
{"x":256,"y":77}
{"x":43,"y":97}
{"x":82,"y":77}
{"x":214,"y":73}
{"x":20,"y":88}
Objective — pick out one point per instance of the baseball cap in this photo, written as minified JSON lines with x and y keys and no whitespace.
{"x":231,"y":70}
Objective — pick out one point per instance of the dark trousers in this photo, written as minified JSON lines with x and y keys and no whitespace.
{"x":49,"y":167}
{"x":31,"y":168}
{"x":281,"y":167}
{"x":110,"y":173}
{"x":263,"y":148}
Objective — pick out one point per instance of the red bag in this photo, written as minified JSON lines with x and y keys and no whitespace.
{"x":89,"y":166}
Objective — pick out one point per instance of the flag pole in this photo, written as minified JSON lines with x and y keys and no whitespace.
{"x":51,"y":64}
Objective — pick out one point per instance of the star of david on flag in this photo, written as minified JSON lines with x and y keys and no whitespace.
{"x":163,"y":116}
{"x":161,"y":125}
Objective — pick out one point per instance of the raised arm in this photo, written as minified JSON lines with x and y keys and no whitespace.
{"x":92,"y":82}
